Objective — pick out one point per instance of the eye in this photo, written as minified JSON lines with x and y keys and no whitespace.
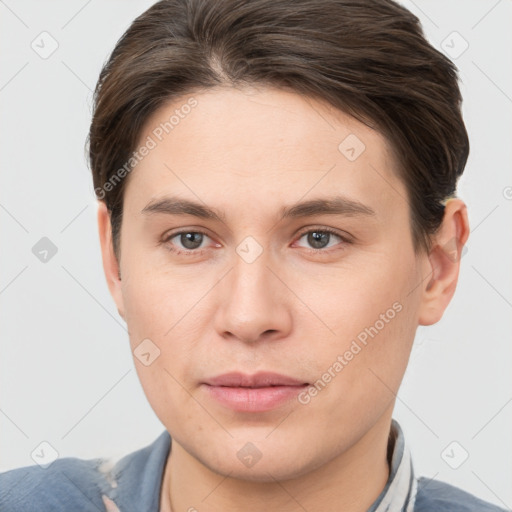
{"x":189,"y":242}
{"x":186,"y":242}
{"x":320,"y":238}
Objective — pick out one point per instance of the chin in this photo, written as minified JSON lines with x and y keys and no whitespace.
{"x":267,"y":472}
{"x":266,"y":466}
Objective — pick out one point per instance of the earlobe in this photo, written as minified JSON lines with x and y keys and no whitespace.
{"x":111,"y":265}
{"x":444,"y":262}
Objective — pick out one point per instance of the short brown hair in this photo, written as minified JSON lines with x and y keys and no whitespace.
{"x":368,"y":58}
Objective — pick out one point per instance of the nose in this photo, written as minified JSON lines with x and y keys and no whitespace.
{"x":255,"y":303}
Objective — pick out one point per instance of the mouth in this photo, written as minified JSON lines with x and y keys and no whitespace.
{"x":260,"y":392}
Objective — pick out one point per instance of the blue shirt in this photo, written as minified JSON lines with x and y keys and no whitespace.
{"x":133,"y":484}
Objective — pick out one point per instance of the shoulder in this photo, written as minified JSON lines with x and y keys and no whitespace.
{"x":437,"y":496}
{"x":132,"y":483}
{"x":68,"y":483}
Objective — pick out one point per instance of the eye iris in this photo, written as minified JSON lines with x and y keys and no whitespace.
{"x":316,"y":239}
{"x":191,"y":238}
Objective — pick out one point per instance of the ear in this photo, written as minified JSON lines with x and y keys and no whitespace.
{"x":110,"y":264}
{"x":444,"y":262}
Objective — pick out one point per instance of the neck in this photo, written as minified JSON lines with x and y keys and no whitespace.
{"x":354,"y":479}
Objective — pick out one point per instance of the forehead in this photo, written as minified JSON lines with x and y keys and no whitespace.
{"x":259,"y":148}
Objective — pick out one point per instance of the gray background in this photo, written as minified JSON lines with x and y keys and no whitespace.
{"x":67,"y":376}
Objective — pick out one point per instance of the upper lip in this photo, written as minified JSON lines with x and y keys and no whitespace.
{"x":258,"y":380}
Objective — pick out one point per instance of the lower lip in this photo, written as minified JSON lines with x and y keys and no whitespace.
{"x":253,"y":399}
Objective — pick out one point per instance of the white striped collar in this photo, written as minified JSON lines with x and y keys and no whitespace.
{"x":399,"y":493}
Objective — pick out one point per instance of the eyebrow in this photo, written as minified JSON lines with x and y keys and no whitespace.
{"x":337,"y":205}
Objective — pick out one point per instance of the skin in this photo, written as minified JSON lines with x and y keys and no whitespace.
{"x":248,"y":153}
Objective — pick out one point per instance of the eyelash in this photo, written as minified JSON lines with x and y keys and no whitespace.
{"x":196,"y":252}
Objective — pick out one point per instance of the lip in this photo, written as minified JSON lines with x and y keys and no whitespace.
{"x":258,"y":380}
{"x":260,"y":392}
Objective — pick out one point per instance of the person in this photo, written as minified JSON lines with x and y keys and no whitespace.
{"x":277,"y":212}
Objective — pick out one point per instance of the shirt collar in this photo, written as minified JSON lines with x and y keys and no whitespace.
{"x":399,"y":493}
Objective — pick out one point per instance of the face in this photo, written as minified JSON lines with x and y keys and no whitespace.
{"x":327,"y":294}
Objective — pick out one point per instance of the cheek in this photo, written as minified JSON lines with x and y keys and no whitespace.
{"x":372,"y":316}
{"x":153,"y":318}
{"x":163,"y":313}
{"x":353,"y":298}
{"x":358,"y":380}
{"x":155,"y":301}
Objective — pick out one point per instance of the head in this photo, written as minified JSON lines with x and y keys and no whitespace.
{"x":321,"y":143}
